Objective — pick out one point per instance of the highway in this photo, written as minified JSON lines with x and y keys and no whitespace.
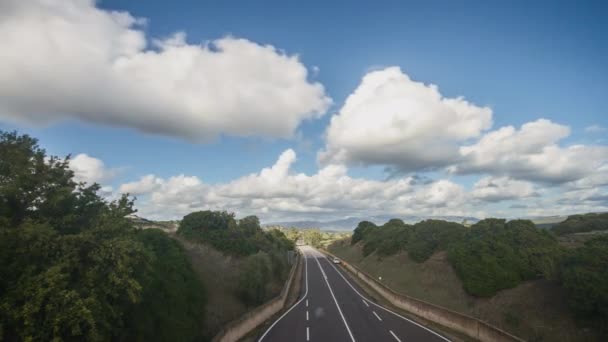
{"x":332,"y":307}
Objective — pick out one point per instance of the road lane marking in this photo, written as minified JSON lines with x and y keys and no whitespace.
{"x":307,"y":315}
{"x":336,"y":301}
{"x":395,"y":336}
{"x":364,"y":302}
{"x":308,"y":334}
{"x":307,"y":303}
{"x":378,"y":317}
{"x":296,"y":304}
{"x":380,"y":306}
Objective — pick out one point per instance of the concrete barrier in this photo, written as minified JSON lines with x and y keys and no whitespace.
{"x":470,"y":326}
{"x":242,"y":326}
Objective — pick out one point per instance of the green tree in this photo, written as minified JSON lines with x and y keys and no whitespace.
{"x":362,"y":230}
{"x":583,"y":275}
{"x":72,"y":267}
{"x":495,"y":255}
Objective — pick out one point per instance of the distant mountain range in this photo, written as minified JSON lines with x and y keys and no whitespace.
{"x":351,"y":223}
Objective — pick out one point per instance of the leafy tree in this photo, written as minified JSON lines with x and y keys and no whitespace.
{"x":496,"y":255}
{"x":583,"y":275}
{"x":363,"y":229}
{"x":72,"y":267}
{"x":582,"y":223}
{"x":432,"y":235}
{"x":172,"y":298}
{"x":313,"y":237}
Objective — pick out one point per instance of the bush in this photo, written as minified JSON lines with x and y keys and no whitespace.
{"x":496,"y":255}
{"x":432,"y":235}
{"x":583,"y":275}
{"x":254,"y":278}
{"x":364,"y":228}
{"x":173,"y":296}
{"x":582,"y":223}
{"x":420,"y":240}
{"x":221,"y":230}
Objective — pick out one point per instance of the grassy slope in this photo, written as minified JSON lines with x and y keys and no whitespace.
{"x":534,"y":310}
{"x":219,"y":273}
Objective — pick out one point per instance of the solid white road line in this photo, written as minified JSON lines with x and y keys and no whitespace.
{"x":378,"y":317}
{"x":395,"y":336}
{"x":380,"y":306}
{"x":296,"y":304}
{"x":307,"y":315}
{"x":336,"y":301}
{"x":364,"y":302}
{"x":307,"y":334}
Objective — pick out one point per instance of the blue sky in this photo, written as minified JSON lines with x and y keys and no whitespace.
{"x":524,"y":61}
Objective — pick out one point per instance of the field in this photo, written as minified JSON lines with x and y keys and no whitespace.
{"x":534,"y":310}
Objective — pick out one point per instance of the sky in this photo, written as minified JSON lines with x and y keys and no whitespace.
{"x":317,"y":110}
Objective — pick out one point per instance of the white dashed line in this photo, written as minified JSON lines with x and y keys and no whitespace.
{"x":307,"y":303}
{"x":395,"y":336}
{"x":308,"y":334}
{"x":378,"y":317}
{"x":307,"y":315}
{"x":383,"y":308}
{"x":364,"y":302}
{"x":352,"y":338}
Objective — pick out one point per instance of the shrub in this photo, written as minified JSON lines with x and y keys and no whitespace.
{"x":583,"y":275}
{"x":254,"y":278}
{"x":496,"y":255}
{"x":582,"y":223}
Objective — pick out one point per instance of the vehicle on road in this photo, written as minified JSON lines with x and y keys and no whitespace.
{"x":335,"y":260}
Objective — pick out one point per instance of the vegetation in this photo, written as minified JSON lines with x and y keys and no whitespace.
{"x":420,"y":240}
{"x":582,"y":223}
{"x":72,"y":267}
{"x":495,"y":255}
{"x":583,"y":274}
{"x":265,"y":251}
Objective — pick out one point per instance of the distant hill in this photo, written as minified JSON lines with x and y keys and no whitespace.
{"x":350,"y":223}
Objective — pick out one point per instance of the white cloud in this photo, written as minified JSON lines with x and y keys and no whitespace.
{"x":70,"y":60}
{"x":90,"y":170}
{"x":144,"y":185}
{"x":392,"y":120}
{"x":276,"y":193}
{"x":595,"y":129}
{"x":496,"y":189}
{"x":531,"y":153}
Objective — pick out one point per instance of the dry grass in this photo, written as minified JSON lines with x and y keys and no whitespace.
{"x":535,"y":311}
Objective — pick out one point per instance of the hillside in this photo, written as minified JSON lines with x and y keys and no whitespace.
{"x":534,"y":310}
{"x":242,"y":265}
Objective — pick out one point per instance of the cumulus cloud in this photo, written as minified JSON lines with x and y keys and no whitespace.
{"x":90,"y":170}
{"x":71,"y":60}
{"x":277,"y":192}
{"x":392,"y":120}
{"x":496,"y":189}
{"x":531,"y":153}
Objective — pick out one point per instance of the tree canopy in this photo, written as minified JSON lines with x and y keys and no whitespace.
{"x":72,"y":267}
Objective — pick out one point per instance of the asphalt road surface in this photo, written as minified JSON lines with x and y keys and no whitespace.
{"x":332,"y":307}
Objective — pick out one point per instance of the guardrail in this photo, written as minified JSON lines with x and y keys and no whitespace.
{"x":470,"y":326}
{"x":242,"y":326}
